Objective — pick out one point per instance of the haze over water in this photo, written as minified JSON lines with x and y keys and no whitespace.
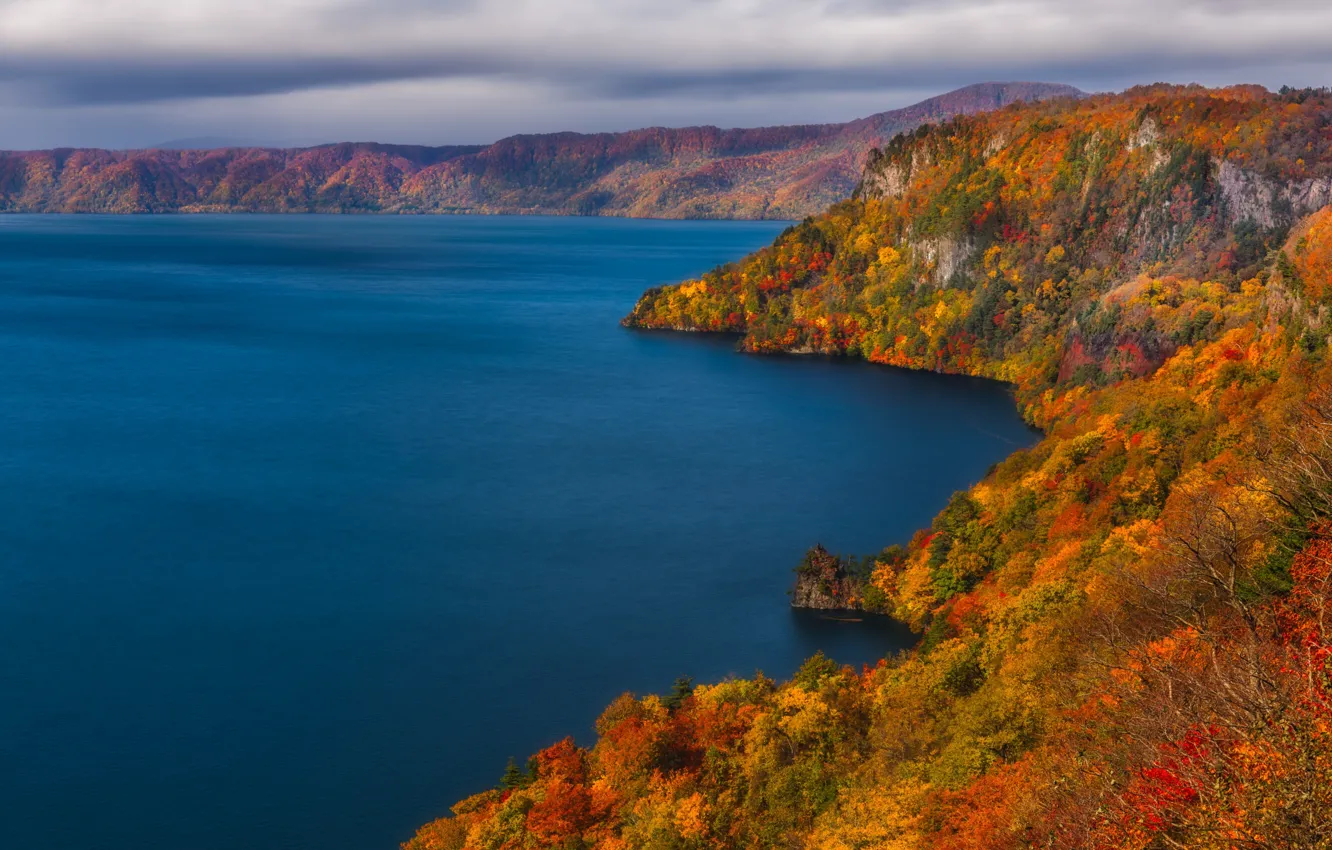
{"x":309,"y":523}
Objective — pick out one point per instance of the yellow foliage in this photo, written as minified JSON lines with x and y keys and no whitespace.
{"x":872,"y":818}
{"x":691,"y":816}
{"x":804,"y":715}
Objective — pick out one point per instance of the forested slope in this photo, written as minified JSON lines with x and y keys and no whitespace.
{"x":1127,"y":630}
{"x":694,"y":172}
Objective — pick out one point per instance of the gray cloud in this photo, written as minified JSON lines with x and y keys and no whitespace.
{"x":174,"y":57}
{"x":120,"y":80}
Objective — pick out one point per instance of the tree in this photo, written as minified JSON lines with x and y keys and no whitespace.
{"x":513,"y":778}
{"x":680,"y":691}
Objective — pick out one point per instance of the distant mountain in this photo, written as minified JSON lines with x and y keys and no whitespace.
{"x":695,"y":172}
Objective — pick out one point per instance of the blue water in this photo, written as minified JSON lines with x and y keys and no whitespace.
{"x":307,"y":524}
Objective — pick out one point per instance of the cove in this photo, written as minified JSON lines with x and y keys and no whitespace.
{"x":309,"y":523}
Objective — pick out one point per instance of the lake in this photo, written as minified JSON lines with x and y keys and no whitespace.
{"x":309,"y":523}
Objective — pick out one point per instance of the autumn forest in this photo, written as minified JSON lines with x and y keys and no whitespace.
{"x":1125,"y":631}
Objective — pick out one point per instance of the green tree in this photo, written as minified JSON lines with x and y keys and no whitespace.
{"x":513,"y":778}
{"x":680,"y":691}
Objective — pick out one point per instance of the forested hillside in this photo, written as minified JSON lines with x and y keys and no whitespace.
{"x":1127,"y":629}
{"x":696,"y":172}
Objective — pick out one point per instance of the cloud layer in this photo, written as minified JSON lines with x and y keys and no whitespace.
{"x":102,"y":71}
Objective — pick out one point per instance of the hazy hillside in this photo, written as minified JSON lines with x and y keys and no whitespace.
{"x":695,"y":172}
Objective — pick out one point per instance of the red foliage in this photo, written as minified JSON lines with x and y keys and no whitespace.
{"x":979,"y":815}
{"x":965,"y":610}
{"x":1305,"y":618}
{"x":1069,"y":523}
{"x":567,"y":810}
{"x":563,"y":760}
{"x":1160,"y":793}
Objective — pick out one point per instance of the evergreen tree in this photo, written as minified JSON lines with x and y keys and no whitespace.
{"x":513,"y":778}
{"x":680,"y":691}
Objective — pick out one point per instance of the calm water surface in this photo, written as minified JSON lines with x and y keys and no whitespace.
{"x":308,"y":524}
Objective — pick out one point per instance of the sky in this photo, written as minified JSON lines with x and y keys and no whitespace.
{"x":131,"y":73}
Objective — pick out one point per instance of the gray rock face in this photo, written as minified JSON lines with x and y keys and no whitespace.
{"x":889,"y":181}
{"x":946,"y":255}
{"x":1268,"y":203}
{"x":1147,"y":135}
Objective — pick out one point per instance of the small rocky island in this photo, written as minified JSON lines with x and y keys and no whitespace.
{"x":824,"y":582}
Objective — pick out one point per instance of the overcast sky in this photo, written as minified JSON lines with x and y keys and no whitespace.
{"x":123,"y":73}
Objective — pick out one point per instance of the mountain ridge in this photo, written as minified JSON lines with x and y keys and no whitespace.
{"x":690,"y":172}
